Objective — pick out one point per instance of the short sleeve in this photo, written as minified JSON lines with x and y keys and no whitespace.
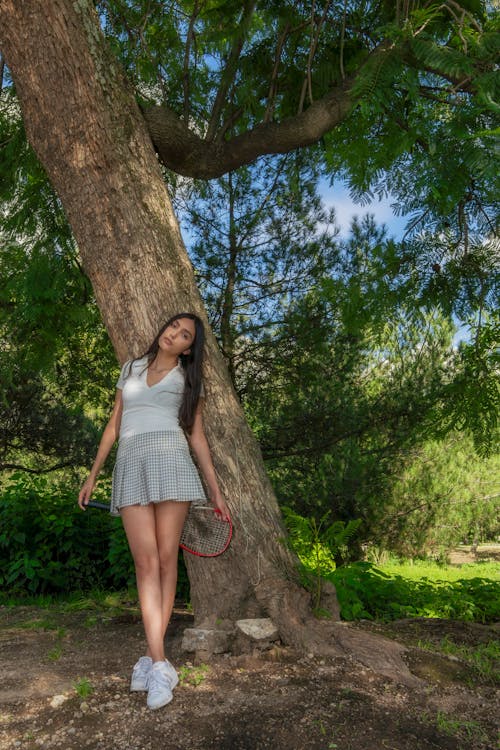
{"x":123,"y":375}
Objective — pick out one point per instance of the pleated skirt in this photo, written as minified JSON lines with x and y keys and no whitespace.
{"x":152,"y":467}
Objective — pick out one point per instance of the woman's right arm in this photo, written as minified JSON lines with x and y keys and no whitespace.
{"x":108,"y":439}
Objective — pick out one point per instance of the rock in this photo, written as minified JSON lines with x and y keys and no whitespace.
{"x":262,"y":629}
{"x":58,"y":700}
{"x":255,"y":635}
{"x":209,"y":641}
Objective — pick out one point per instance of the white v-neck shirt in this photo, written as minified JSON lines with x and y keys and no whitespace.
{"x":149,"y":408}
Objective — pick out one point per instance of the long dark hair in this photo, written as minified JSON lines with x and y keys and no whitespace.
{"x":191,"y":364}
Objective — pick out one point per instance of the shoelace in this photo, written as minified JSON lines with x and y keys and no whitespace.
{"x":142,"y":669}
{"x":158,"y":680}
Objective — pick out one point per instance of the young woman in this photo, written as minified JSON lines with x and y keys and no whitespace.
{"x":157,"y":406}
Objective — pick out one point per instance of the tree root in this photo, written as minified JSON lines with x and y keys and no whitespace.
{"x":289,"y":607}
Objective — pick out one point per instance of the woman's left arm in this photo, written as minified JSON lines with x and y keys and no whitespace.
{"x":199,"y":445}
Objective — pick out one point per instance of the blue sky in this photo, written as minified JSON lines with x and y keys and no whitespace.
{"x":337,"y":196}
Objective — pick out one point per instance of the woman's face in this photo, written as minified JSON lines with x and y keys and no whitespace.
{"x":178,"y":337}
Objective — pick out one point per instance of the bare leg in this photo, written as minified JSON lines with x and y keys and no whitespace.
{"x":139,"y":522}
{"x":170,"y":517}
{"x":153,"y":533}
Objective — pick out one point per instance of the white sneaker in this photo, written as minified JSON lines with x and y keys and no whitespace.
{"x":174,"y":677}
{"x":159,"y":684}
{"x":140,"y":674}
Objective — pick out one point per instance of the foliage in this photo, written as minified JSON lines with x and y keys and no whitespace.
{"x":433,"y":143}
{"x":317,"y":545}
{"x":392,"y":590}
{"x":351,"y":386}
{"x":41,"y":274}
{"x":422,"y":77}
{"x":189,"y":675}
{"x":48,"y":545}
{"x":258,"y":238}
{"x":471,"y":400}
{"x":38,"y":430}
{"x":57,"y":364}
{"x":367,"y":592}
{"x":444,"y":495}
{"x":83,"y":687}
{"x":341,"y":350}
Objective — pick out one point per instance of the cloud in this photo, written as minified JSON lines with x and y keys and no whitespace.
{"x":337,"y":196}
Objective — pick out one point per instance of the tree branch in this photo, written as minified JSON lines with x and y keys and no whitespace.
{"x":2,"y":71}
{"x":342,"y":40}
{"x":230,"y":69}
{"x":273,"y":86}
{"x":183,"y":151}
{"x":187,"y":54}
{"x":19,"y":467}
{"x":307,"y":85}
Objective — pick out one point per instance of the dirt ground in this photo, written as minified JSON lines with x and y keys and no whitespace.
{"x":65,"y":678}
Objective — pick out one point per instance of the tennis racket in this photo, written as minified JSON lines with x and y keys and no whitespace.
{"x":205,"y":532}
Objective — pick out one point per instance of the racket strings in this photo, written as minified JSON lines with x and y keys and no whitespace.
{"x":205,"y":533}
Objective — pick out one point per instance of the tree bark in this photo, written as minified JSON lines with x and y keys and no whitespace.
{"x":183,"y":151}
{"x":83,"y":122}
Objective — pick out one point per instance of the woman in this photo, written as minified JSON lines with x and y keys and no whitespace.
{"x":157,"y":405}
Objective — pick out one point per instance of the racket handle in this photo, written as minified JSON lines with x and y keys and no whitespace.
{"x":95,"y":504}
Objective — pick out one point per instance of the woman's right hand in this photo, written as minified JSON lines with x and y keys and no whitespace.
{"x":86,"y":492}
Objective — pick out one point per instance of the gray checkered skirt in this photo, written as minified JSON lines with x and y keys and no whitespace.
{"x":152,"y":467}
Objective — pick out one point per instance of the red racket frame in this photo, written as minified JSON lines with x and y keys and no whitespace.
{"x":219,"y":552}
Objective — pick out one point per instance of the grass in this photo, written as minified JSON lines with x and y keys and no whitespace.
{"x":55,"y":653}
{"x":72,"y":601}
{"x":391,"y":590}
{"x":43,"y":623}
{"x":98,"y":600}
{"x":459,"y":728}
{"x":83,"y":687}
{"x":482,"y":659}
{"x":189,"y":675}
{"x":422,"y":569}
{"x":395,"y":590}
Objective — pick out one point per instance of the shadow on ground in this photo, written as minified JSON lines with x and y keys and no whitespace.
{"x":65,"y":685}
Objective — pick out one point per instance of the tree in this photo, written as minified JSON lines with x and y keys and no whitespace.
{"x":261,"y":237}
{"x":83,"y":121}
{"x":445,"y":496}
{"x":351,"y":387}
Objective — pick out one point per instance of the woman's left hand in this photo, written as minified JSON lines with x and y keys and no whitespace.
{"x":218,"y":501}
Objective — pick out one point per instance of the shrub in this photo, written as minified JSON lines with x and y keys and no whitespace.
{"x":48,"y":545}
{"x":365,"y":591}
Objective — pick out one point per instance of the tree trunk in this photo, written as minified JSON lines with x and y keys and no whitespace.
{"x":83,"y":122}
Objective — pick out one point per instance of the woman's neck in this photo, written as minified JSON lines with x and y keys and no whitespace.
{"x":163,"y":362}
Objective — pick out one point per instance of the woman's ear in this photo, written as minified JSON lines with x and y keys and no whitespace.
{"x":185,"y":354}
